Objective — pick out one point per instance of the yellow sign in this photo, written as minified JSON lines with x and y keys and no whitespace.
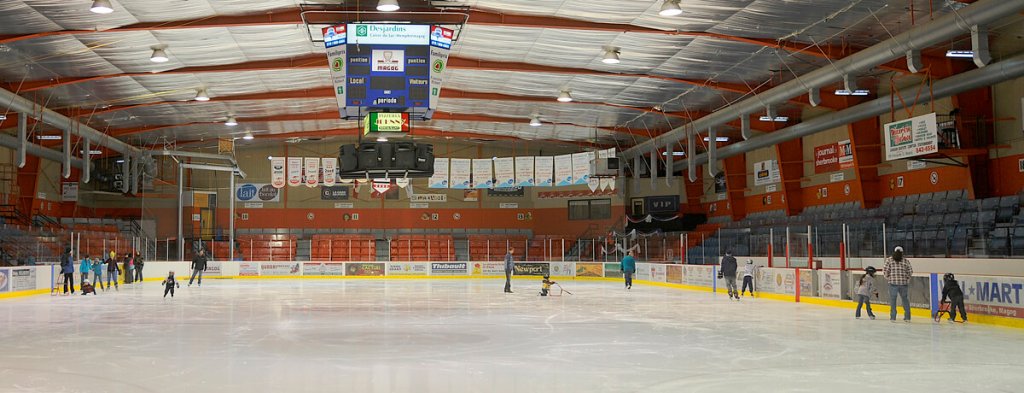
{"x":386,"y":122}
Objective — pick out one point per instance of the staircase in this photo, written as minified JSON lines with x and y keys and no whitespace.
{"x":302,"y":250}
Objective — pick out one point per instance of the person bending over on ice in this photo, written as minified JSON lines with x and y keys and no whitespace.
{"x":169,"y":283}
{"x":628,"y":267}
{"x":951,"y":290}
{"x":865,"y":287}
{"x":728,"y":272}
{"x":545,"y":286}
{"x":87,"y":288}
{"x":748,"y":277}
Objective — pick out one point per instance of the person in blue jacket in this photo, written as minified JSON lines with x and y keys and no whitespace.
{"x":97,"y":273}
{"x":84,"y":268}
{"x":67,"y":269}
{"x":628,"y":267}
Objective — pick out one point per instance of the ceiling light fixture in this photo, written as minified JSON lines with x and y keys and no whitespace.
{"x":382,"y":139}
{"x":611,"y":56}
{"x":858,"y":92}
{"x":158,"y":56}
{"x":231,"y":121}
{"x":202,"y":96}
{"x":564,"y":96}
{"x":776,"y":118}
{"x":101,"y":7}
{"x":388,"y":5}
{"x":675,"y":153}
{"x":717,"y":139}
{"x":670,"y":8}
{"x":49,"y":137}
{"x":535,"y":121}
{"x":248,"y":137}
{"x":961,"y":54}
{"x":3,"y":117}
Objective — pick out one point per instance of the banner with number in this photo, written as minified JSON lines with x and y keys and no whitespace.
{"x":460,"y":172}
{"x":330,"y":171}
{"x":277,"y":172}
{"x":294,"y":171}
{"x":563,"y":170}
{"x":483,"y":175}
{"x":545,"y":171}
{"x":440,"y":177}
{"x":524,"y":172}
{"x":581,"y":167}
{"x":504,"y":172}
{"x":312,"y":171}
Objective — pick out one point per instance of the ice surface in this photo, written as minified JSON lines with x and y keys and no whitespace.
{"x":467,"y":336}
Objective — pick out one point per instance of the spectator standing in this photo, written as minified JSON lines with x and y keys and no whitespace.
{"x":628,"y":267}
{"x":898,"y":272}
{"x":67,"y":269}
{"x":510,"y":265}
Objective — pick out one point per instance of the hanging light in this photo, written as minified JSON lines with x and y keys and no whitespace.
{"x":962,"y":54}
{"x":717,"y":139}
{"x":231,"y":121}
{"x":564,"y":96}
{"x":858,"y":92}
{"x":202,"y":96}
{"x":248,"y":137}
{"x":158,"y":56}
{"x":101,"y":7}
{"x":775,"y":119}
{"x":670,"y":8}
{"x":382,"y":139}
{"x":388,"y":5}
{"x":535,"y":121}
{"x":611,"y":56}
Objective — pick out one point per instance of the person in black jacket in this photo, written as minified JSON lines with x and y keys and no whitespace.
{"x":67,"y":269}
{"x":951,"y":289}
{"x":198,"y":267}
{"x":138,"y":266}
{"x":728,"y":272}
{"x":112,"y":272}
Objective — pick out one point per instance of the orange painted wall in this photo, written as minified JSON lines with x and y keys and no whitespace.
{"x":919,"y":181}
{"x":1005,"y":176}
{"x":759,"y":203}
{"x":836,"y":193}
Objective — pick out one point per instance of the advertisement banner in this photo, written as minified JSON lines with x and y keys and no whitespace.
{"x":531,"y":269}
{"x":584,"y":269}
{"x":448,"y":269}
{"x":312,"y":174}
{"x":440,"y":177}
{"x":613,"y":270}
{"x":504,"y":172}
{"x":323,"y":269}
{"x":364,"y":269}
{"x":524,"y":172}
{"x":69,"y":192}
{"x":213,"y":268}
{"x":248,"y":268}
{"x":427,"y":198}
{"x":280,"y":268}
{"x":999,"y":296}
{"x":826,"y":158}
{"x":656,"y":272}
{"x":460,"y":173}
{"x":911,"y":137}
{"x":440,"y":45}
{"x":561,"y":269}
{"x":483,"y":175}
{"x":23,"y":279}
{"x":256,"y":192}
{"x":766,"y":172}
{"x":330,"y":170}
{"x":294,"y":171}
{"x":674,"y":274}
{"x":581,"y":167}
{"x":277,"y":172}
{"x":643,"y":271}
{"x":698,"y":275}
{"x":488,"y":268}
{"x":5,"y":280}
{"x":845,"y":153}
{"x":544,"y":167}
{"x":386,"y":122}
{"x":334,"y":193}
{"x":335,"y":40}
{"x":563,"y":170}
{"x":408,"y":268}
{"x":830,"y":284}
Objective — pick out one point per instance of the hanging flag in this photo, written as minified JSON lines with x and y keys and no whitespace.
{"x":545,"y":174}
{"x":381,"y":185}
{"x":606,"y":183}
{"x":483,"y":176}
{"x":345,"y":181}
{"x":294,"y":171}
{"x":277,"y":172}
{"x":594,"y":183}
{"x":402,"y":182}
{"x":504,"y":172}
{"x":312,"y":171}
{"x":460,"y":170}
{"x":440,"y":177}
{"x":581,"y":167}
{"x":563,"y":170}
{"x":524,"y":172}
{"x":330,"y":171}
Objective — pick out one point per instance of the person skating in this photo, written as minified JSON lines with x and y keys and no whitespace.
{"x":67,"y":269}
{"x":129,"y":269}
{"x":748,"y":277}
{"x":898,"y":271}
{"x":139,"y":263}
{"x":951,"y":290}
{"x":545,"y":285}
{"x":510,"y":265}
{"x":169,"y":284}
{"x":198,"y":267}
{"x":628,"y":267}
{"x":866,"y":287}
{"x":728,"y":272}
{"x":112,"y":272}
{"x":97,"y":273}
{"x":84,"y":267}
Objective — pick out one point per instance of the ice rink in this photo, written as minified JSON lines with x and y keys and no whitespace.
{"x":467,"y":336}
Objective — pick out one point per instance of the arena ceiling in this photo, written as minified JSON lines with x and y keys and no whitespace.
{"x":257,"y":63}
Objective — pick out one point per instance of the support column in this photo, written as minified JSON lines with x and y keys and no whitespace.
{"x":866,"y":140}
{"x":231,"y":218}
{"x":736,"y":184}
{"x":181,"y":196}
{"x":791,"y":169}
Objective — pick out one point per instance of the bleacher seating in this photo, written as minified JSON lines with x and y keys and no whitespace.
{"x":268,"y":247}
{"x":493,"y":247}
{"x":422,"y":248}
{"x":342,"y":248}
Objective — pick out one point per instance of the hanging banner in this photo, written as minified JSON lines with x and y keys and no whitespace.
{"x":606,"y":153}
{"x":440,"y":44}
{"x":459,"y":172}
{"x":594,"y":183}
{"x":504,"y":172}
{"x":483,"y":176}
{"x":581,"y":167}
{"x":402,"y":182}
{"x":911,"y":137}
{"x":335,"y":40}
{"x":766,"y":172}
{"x":440,"y":177}
{"x":330,"y":171}
{"x":277,"y":172}
{"x":294,"y":171}
{"x":545,"y":171}
{"x":563,"y":170}
{"x":381,"y":185}
{"x":524,"y":172}
{"x":606,"y":183}
{"x":312,"y":171}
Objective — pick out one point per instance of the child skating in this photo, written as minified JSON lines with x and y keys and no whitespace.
{"x":97,"y":273}
{"x":87,"y":288}
{"x":866,"y":287}
{"x":170,"y":283}
{"x":951,"y":290}
{"x":545,"y":286}
{"x":748,"y":277}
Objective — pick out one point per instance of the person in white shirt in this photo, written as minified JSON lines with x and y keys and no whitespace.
{"x":748,"y":277}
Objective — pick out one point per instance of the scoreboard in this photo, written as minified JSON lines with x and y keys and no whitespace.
{"x":387,"y":67}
